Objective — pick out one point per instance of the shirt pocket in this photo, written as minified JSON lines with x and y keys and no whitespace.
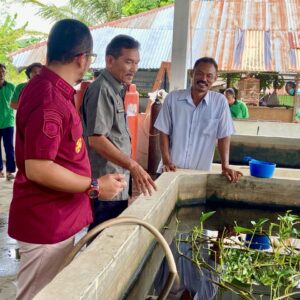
{"x":210,"y":127}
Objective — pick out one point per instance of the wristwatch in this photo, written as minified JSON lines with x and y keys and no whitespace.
{"x":93,"y":191}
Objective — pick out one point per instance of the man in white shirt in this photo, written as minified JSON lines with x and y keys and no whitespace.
{"x":191,"y":121}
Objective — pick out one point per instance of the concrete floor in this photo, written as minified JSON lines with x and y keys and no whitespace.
{"x":8,"y":260}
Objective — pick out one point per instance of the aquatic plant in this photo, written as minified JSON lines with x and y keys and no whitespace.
{"x":241,"y":269}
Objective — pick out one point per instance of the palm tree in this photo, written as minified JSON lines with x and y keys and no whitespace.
{"x":89,"y":12}
{"x":92,"y":12}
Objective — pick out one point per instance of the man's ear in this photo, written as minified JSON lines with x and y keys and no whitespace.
{"x":81,"y":60}
{"x":109,"y":60}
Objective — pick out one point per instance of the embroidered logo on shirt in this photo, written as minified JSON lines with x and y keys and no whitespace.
{"x":52,"y":122}
{"x":50,"y":128}
{"x":78,"y":145}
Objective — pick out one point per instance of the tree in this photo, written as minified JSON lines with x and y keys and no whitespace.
{"x":132,"y":7}
{"x":89,"y":12}
{"x":92,"y":12}
{"x":9,"y":36}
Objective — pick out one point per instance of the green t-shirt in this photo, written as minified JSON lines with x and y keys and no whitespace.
{"x":7,"y":116}
{"x":17,"y":92}
{"x":298,"y":114}
{"x":239,"y":110}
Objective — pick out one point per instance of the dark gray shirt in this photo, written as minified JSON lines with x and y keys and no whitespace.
{"x":103,"y":114}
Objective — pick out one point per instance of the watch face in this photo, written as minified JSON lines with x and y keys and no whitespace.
{"x":93,"y":193}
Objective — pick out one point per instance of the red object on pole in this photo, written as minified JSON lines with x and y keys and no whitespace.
{"x":80,"y":93}
{"x":131,"y":103}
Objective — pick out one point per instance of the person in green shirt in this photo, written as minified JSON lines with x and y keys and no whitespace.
{"x":7,"y":122}
{"x":297,"y":116}
{"x":31,"y":71}
{"x":238,"y":108}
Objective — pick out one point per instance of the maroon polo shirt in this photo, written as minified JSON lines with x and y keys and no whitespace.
{"x":48,"y":127}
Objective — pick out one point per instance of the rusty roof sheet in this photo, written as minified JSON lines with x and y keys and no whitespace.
{"x":242,"y":35}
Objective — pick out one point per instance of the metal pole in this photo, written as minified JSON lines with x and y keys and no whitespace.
{"x":296,"y":97}
{"x":181,"y":36}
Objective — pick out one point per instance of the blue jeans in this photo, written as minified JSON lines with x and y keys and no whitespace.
{"x":8,"y":138}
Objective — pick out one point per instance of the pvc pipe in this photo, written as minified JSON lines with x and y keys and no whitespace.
{"x":134,"y":221}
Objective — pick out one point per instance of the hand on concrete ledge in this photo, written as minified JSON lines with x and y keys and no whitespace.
{"x":169,"y":167}
{"x":232,"y":175}
{"x":142,"y":179}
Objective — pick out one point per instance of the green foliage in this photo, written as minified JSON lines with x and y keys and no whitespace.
{"x":132,"y":7}
{"x":9,"y":36}
{"x":270,"y":80}
{"x":92,"y":12}
{"x":241,"y":269}
{"x":231,"y":78}
{"x":89,"y":12}
{"x":22,"y":43}
{"x":278,"y":82}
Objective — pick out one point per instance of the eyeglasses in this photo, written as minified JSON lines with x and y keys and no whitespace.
{"x":93,"y":56}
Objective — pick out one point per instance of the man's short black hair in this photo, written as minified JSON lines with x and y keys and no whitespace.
{"x":119,"y":42}
{"x":206,"y":60}
{"x":2,"y":66}
{"x":30,"y":67}
{"x":67,"y":39}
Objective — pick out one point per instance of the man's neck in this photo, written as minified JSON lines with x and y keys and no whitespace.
{"x":63,"y":71}
{"x":2,"y":82}
{"x":197,"y":96}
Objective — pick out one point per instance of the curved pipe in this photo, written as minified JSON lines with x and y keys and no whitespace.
{"x":131,"y":220}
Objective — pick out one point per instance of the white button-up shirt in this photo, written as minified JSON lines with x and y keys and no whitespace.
{"x":193,"y":130}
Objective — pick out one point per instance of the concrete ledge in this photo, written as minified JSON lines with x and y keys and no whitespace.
{"x":103,"y":270}
{"x":261,"y":191}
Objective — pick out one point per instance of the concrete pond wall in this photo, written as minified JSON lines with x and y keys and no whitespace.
{"x":269,"y":141}
{"x":122,"y":262}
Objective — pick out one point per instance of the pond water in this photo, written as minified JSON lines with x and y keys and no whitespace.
{"x":227,"y":212}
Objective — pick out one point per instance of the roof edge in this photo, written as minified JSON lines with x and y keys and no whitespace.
{"x":125,"y":19}
{"x":113,"y":23}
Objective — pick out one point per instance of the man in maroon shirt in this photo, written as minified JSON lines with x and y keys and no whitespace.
{"x":50,"y":198}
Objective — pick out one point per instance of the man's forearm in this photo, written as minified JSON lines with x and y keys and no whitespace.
{"x":51,"y":175}
{"x":224,"y":148}
{"x":165,"y":148}
{"x":103,"y":146}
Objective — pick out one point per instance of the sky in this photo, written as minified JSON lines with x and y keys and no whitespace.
{"x":27,"y":13}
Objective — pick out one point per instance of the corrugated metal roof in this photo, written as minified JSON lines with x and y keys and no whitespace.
{"x":242,"y":35}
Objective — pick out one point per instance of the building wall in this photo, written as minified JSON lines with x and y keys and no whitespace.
{"x":280,"y":114}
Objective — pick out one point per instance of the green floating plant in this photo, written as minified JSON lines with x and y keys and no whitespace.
{"x":241,"y":269}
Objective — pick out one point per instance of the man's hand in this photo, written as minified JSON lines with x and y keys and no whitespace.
{"x":111,"y":185}
{"x":232,"y":175}
{"x":142,"y":179}
{"x":169,"y":167}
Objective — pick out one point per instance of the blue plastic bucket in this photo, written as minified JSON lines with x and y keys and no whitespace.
{"x":261,"y":169}
{"x":257,"y":241}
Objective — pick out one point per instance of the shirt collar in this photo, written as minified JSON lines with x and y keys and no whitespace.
{"x":66,"y":89}
{"x":187,"y":96}
{"x":117,"y":86}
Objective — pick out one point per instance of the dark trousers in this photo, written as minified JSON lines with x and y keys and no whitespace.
{"x":7,"y":134}
{"x":105,"y":210}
